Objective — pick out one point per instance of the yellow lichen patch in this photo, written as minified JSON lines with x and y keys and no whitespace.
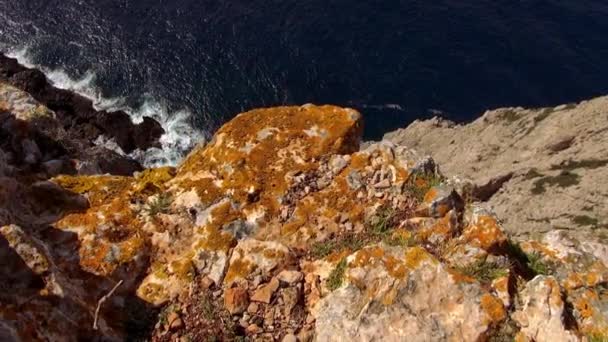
{"x":251,"y":165}
{"x":430,"y":195}
{"x":395,"y":267}
{"x":415,"y":256}
{"x":573,"y":281}
{"x":367,"y":256}
{"x":212,"y":239}
{"x":501,"y":284}
{"x":154,"y":179}
{"x":239,"y":269}
{"x":458,"y":277}
{"x":485,"y":233}
{"x":97,"y":189}
{"x":537,"y":247}
{"x":493,"y":308}
{"x":442,"y":227}
{"x":110,"y":231}
{"x":153,"y":292}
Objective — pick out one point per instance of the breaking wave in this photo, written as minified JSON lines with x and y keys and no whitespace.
{"x":180,"y":135}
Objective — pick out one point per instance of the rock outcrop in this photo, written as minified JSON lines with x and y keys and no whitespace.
{"x":281,"y":228}
{"x":539,"y":169}
{"x":76,"y":114}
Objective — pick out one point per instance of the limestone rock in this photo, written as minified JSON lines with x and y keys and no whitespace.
{"x":394,"y":294}
{"x":545,"y":166}
{"x":264,"y":294}
{"x":236,"y":300}
{"x":541,"y":316}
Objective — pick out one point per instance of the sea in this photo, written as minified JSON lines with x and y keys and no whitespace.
{"x":194,"y":64}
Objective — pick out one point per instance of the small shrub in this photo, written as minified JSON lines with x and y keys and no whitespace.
{"x":351,"y":241}
{"x":419,"y":185}
{"x":336,"y":277}
{"x":584,"y":220}
{"x":537,"y":265}
{"x":382,"y":222}
{"x":597,"y":338}
{"x":400,"y":241}
{"x":484,"y":271}
{"x":510,"y":116}
{"x":159,"y":205}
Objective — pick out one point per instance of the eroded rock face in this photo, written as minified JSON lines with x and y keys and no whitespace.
{"x":538,"y":169}
{"x":281,"y":229}
{"x":76,"y":113}
{"x":35,"y":141}
{"x":392,"y":294}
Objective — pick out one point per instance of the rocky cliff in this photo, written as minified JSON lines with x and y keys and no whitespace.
{"x":540,"y":170}
{"x":280,"y":228}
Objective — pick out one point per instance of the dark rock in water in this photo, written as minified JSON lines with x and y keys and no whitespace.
{"x":147,"y":134}
{"x":76,"y":112}
{"x":33,"y":141}
{"x":111,"y":162}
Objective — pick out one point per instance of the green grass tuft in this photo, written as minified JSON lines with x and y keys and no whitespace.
{"x":336,"y":277}
{"x":484,"y":271}
{"x":537,"y":265}
{"x":428,"y":181}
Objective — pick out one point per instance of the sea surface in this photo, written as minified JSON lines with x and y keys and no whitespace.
{"x":193,"y":64}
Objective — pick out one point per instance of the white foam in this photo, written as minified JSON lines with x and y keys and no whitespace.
{"x":180,"y":136}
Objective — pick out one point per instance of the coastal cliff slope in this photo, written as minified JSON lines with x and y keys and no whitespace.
{"x":280,"y":228}
{"x":540,"y":169}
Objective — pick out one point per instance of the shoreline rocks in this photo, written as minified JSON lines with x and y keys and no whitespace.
{"x":76,"y":114}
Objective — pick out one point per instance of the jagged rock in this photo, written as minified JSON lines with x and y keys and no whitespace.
{"x":35,"y":134}
{"x":264,"y":294}
{"x":290,"y":277}
{"x":72,"y":108}
{"x":439,"y":200}
{"x":541,"y":315}
{"x":236,"y":300}
{"x":281,"y":210}
{"x":394,"y":294}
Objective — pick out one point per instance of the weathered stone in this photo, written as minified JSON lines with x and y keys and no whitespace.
{"x":541,"y":315}
{"x":439,"y":200}
{"x":555,"y":177}
{"x":236,"y":300}
{"x":290,"y":277}
{"x":265,"y":293}
{"x":387,"y":293}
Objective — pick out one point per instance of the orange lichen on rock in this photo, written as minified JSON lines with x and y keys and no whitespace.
{"x":486,"y":233}
{"x":250,"y":156}
{"x":110,"y":230}
{"x":493,"y":308}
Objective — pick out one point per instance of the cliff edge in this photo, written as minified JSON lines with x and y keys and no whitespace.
{"x":540,"y":170}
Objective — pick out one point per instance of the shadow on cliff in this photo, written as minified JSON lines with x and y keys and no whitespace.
{"x":59,"y":297}
{"x":43,"y":285}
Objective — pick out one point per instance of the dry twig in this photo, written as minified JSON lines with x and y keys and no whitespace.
{"x":102,"y":300}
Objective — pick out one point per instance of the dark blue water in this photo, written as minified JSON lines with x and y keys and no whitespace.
{"x":393,"y":60}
